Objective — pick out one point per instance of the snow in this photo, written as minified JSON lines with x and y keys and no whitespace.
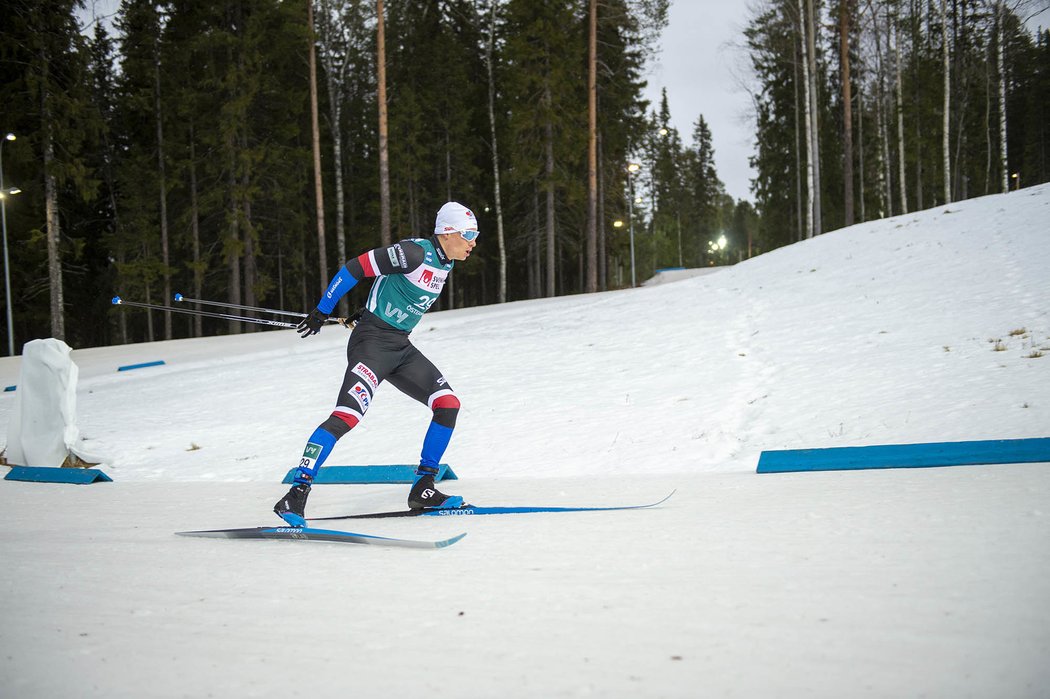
{"x":42,"y":429}
{"x":901,"y":582}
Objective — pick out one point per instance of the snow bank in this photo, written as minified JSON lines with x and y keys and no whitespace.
{"x":43,"y":425}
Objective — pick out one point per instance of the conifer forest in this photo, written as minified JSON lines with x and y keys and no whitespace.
{"x":241,"y":150}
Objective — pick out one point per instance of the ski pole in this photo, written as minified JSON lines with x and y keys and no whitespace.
{"x":345,"y":322}
{"x":180,"y":298}
{"x":117,"y":301}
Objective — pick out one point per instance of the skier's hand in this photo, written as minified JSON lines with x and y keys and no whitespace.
{"x":354,"y":318}
{"x":311,"y":324}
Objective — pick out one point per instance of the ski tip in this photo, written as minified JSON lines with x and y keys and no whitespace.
{"x":207,"y":533}
{"x":178,"y":297}
{"x":449,"y":542}
{"x":116,"y":300}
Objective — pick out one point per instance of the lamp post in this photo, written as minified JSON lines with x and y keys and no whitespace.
{"x":631,"y":169}
{"x":7,"y":269}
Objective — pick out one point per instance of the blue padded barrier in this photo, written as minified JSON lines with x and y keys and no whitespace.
{"x":994,"y":451}
{"x":51,"y":474}
{"x":143,"y":365}
{"x":397,"y":473}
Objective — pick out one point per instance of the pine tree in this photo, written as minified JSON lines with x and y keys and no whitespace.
{"x":706,"y":189}
{"x":626,"y":35}
{"x":56,"y":121}
{"x":545,"y":45}
{"x":777,"y":97}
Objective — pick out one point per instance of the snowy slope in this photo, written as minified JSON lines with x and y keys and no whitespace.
{"x":909,"y":582}
{"x":881,"y":333}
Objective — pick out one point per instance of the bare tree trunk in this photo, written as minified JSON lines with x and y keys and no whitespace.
{"x":945,"y":141}
{"x":810,"y":179}
{"x":1001,"y":63}
{"x":198,"y":272}
{"x":885,"y":178}
{"x":315,"y":131}
{"x":678,"y":224}
{"x":818,"y":226}
{"x":250,"y":256}
{"x":384,"y":155}
{"x":335,"y":58}
{"x":54,"y":234}
{"x":549,"y":186}
{"x":448,"y":166}
{"x":847,"y":112}
{"x":603,"y":262}
{"x":860,"y":150}
{"x":592,"y":151}
{"x":451,"y":282}
{"x":919,"y":123}
{"x":413,"y":204}
{"x":900,"y":115}
{"x":988,"y":133}
{"x":232,"y":246}
{"x":535,"y":271}
{"x":149,"y":299}
{"x":161,"y":176}
{"x":122,"y":323}
{"x":803,"y":221}
{"x":495,"y":157}
{"x":340,"y":195}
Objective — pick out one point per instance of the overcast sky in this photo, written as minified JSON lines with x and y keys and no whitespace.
{"x":701,"y":66}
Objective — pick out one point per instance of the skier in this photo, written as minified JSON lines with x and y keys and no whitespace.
{"x":409,"y":277}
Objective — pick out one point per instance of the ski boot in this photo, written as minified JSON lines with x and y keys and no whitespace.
{"x":425,"y":495}
{"x":292,"y":507}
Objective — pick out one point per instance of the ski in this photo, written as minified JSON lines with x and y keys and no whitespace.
{"x":311,"y":534}
{"x":474,"y":510}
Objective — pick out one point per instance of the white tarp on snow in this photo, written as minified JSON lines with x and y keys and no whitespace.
{"x":43,"y":427}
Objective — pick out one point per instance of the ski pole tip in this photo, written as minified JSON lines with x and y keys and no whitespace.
{"x":116,"y":300}
{"x":178,"y":297}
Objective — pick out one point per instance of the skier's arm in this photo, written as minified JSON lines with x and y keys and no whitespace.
{"x":398,"y":258}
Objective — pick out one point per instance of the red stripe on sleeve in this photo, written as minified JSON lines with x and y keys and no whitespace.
{"x":366,"y":265}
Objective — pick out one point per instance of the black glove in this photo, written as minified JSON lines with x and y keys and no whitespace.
{"x":354,"y":318}
{"x":311,"y":324}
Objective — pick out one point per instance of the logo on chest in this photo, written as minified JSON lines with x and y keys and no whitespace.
{"x":429,"y":280}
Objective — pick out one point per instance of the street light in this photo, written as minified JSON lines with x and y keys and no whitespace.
{"x":7,"y":269}
{"x":717,"y":246}
{"x":631,"y":169}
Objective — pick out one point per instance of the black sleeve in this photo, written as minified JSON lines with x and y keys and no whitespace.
{"x":399,"y":258}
